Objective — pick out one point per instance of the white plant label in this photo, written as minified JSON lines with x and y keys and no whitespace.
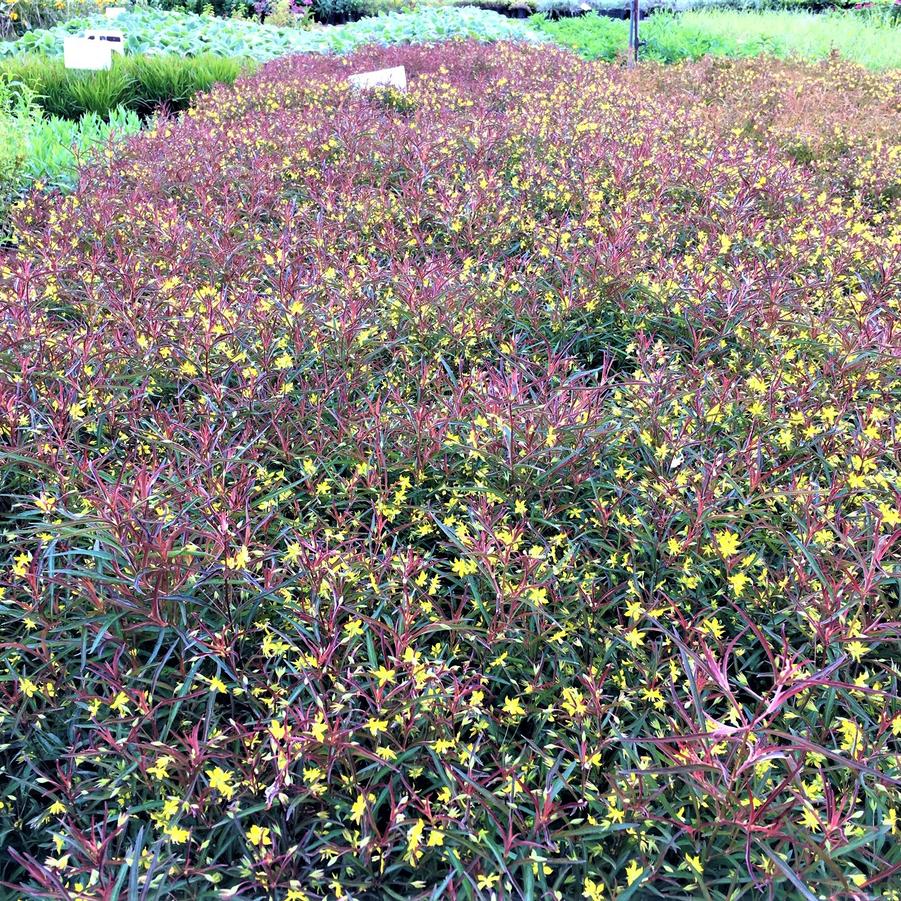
{"x":81,"y":53}
{"x":382,"y":78}
{"x":114,"y":39}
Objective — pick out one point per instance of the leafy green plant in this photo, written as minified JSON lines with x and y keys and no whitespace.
{"x":288,"y":14}
{"x":872,"y":42}
{"x":512,"y":8}
{"x":140,"y":83}
{"x":213,"y":7}
{"x":35,"y":148}
{"x":614,"y":8}
{"x":17,"y":112}
{"x":150,"y":30}
{"x":98,"y":92}
{"x":57,"y":147}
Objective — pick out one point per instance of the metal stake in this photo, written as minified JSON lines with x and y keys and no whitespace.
{"x":633,"y":33}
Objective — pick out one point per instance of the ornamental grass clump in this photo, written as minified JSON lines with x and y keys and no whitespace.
{"x":494,"y":494}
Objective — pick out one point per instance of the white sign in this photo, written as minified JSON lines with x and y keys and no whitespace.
{"x":383,"y":78}
{"x":113,"y":12}
{"x":81,"y":53}
{"x":115,"y":39}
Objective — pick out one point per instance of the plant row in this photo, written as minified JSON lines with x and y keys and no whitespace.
{"x":149,"y":30}
{"x":140,"y":83}
{"x":18,"y":17}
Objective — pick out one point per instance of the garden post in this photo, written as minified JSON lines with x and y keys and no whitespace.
{"x":633,"y":32}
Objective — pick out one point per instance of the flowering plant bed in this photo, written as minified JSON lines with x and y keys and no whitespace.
{"x":492,"y":489}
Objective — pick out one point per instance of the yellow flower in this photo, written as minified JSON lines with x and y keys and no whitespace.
{"x":277,"y":730}
{"x":45,"y":503}
{"x":809,"y":819}
{"x":120,"y":703}
{"x":694,"y":863}
{"x":354,"y":627}
{"x":573,"y":702}
{"x":160,"y":770}
{"x":464,"y":567}
{"x":358,"y":808}
{"x":177,"y":833}
{"x":635,"y":638}
{"x":738,"y":581}
{"x":220,"y":781}
{"x":240,"y":559}
{"x":293,"y":552}
{"x":259,"y":836}
{"x":727,"y":542}
{"x":414,"y":840}
{"x":634,"y":871}
{"x":512,"y":707}
{"x":23,"y":561}
{"x":376,"y":725}
{"x":319,"y":728}
{"x":852,"y":736}
{"x":384,"y":675}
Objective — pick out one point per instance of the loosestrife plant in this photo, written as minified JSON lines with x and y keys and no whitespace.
{"x":490,"y":491}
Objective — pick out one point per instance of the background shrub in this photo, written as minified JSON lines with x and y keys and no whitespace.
{"x":224,"y":8}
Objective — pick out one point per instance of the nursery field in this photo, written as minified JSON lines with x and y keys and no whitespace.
{"x":491,"y":490}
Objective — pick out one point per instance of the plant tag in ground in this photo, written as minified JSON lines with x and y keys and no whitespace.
{"x":382,"y":78}
{"x":113,"y":12}
{"x":111,"y":37}
{"x":82,"y":53}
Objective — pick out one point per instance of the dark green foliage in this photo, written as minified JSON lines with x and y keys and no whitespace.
{"x":217,"y":7}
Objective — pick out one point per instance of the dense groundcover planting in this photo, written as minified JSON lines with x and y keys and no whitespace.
{"x":488,"y":491}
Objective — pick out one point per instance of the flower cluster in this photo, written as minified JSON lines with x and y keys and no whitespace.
{"x":485,"y":491}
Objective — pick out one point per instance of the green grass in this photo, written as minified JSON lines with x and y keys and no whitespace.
{"x":731,"y":33}
{"x":139,"y":83}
